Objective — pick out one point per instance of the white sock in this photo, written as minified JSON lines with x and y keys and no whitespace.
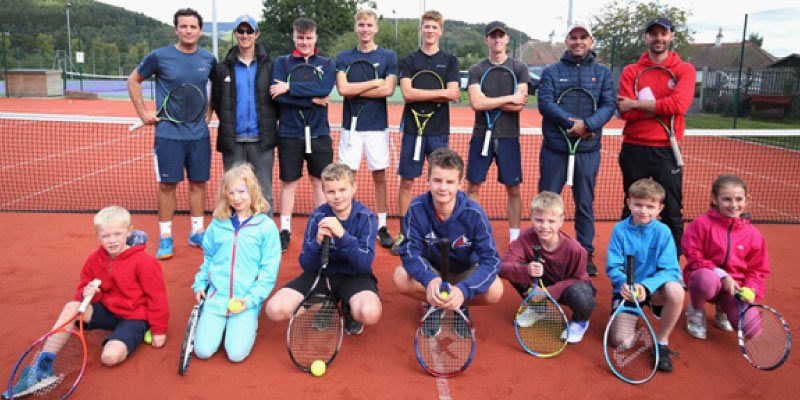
{"x":165,"y":228}
{"x":286,"y":222}
{"x":197,"y":224}
{"x":381,"y":219}
{"x":513,"y":234}
{"x":663,"y":342}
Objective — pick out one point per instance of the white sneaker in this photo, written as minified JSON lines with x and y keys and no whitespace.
{"x":721,"y":321}
{"x":528,"y":317}
{"x":575,"y":331}
{"x":696,"y":322}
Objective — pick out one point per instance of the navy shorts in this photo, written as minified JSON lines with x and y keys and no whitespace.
{"x":509,"y":168}
{"x":413,"y":169}
{"x":344,"y":286}
{"x":616,"y":300}
{"x":172,"y":156}
{"x":128,"y":331}
{"x":292,"y":152}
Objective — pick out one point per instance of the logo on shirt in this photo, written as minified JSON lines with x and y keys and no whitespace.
{"x":462,"y":241}
{"x":671,"y":84}
{"x":227,"y":78}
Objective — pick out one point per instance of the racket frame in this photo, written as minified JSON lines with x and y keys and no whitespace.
{"x":573,"y":147}
{"x":670,"y":129}
{"x":744,"y":307}
{"x":306,"y":126}
{"x":357,"y":101}
{"x":187,"y":347}
{"x":421,"y":119}
{"x":163,"y":110}
{"x":494,"y":114}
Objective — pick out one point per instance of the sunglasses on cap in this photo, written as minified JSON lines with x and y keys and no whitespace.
{"x":243,"y":31}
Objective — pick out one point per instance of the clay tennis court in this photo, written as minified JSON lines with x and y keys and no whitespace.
{"x":44,"y":252}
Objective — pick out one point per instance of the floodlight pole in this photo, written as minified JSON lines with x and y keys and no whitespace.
{"x":69,"y":40}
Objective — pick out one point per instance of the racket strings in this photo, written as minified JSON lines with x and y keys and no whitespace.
{"x":632,"y":347}
{"x":541,"y":325}
{"x":52,"y":369}
{"x":449,"y":351}
{"x":498,"y":82}
{"x":765,"y":337}
{"x":185,"y":103}
{"x":315,"y":332}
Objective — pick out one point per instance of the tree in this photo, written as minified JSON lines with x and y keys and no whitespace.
{"x":333,"y":18}
{"x":756,"y":39}
{"x":618,"y":29}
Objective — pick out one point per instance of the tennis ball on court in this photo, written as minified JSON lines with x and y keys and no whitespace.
{"x":235,"y":305}
{"x":747,"y":294}
{"x":318,"y":368}
{"x":148,"y":337}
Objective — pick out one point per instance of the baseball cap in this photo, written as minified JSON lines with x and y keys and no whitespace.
{"x":495,"y":26}
{"x":246,"y":19}
{"x":661,"y":21}
{"x":579,"y":25}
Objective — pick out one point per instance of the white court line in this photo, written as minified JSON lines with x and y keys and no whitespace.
{"x":74,"y":180}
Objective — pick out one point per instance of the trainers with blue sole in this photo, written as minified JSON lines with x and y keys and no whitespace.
{"x":165,"y":248}
{"x":196,"y":239}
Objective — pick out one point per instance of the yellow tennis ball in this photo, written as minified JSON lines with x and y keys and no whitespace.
{"x":747,"y":294}
{"x":148,"y":337}
{"x":235,"y":305}
{"x":318,"y":368}
{"x":444,"y":295}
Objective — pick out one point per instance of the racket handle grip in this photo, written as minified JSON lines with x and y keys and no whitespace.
{"x":88,"y":299}
{"x":307,"y":132}
{"x":136,"y":126}
{"x":417,"y":147}
{"x":486,"y":140}
{"x":326,"y":250}
{"x":676,"y":151}
{"x":353,"y":124}
{"x":570,"y":169}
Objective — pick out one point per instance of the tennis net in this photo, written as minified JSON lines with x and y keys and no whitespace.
{"x":57,"y":163}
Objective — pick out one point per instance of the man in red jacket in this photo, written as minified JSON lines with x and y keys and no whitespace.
{"x":653,"y":101}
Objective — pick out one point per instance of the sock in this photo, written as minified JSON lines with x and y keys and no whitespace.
{"x":197,"y":224}
{"x":165,"y":228}
{"x":381,"y":219}
{"x":582,"y":324}
{"x":513,"y":234}
{"x":286,"y":222}
{"x":663,"y":342}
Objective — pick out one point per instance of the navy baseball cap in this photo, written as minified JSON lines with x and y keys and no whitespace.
{"x":246,"y":19}
{"x":660,"y":21}
{"x":495,"y":26}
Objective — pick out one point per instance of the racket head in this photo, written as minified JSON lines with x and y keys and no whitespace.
{"x":450,"y":351}
{"x":187,"y":347}
{"x":497,"y":81}
{"x":543,"y":334}
{"x":428,"y":80}
{"x":66,"y":367}
{"x":662,"y":75}
{"x":315,"y":331}
{"x":304,"y":73}
{"x":577,"y":101}
{"x":629,"y":344}
{"x":764,"y":336}
{"x":361,"y":71}
{"x":185,"y":103}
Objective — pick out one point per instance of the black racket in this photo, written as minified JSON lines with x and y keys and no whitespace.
{"x":316,"y":329}
{"x":184,"y":103}
{"x":580,"y":103}
{"x":423,"y":111}
{"x":303,"y":73}
{"x":187,"y":347}
{"x":764,"y":335}
{"x":497,"y":81}
{"x":359,"y":71}
{"x":665,"y":75}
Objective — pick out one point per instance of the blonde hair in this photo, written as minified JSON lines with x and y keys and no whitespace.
{"x":337,"y":172}
{"x":433,"y":15}
{"x":240,"y":172}
{"x":366,"y":12}
{"x":646,"y":188}
{"x":112,"y":215}
{"x":547,"y":202}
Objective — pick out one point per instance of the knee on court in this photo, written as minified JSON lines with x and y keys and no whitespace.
{"x":401,"y":279}
{"x":114,"y":352}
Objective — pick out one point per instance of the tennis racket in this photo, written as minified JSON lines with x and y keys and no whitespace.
{"x":541,"y":324}
{"x":448,"y":350}
{"x":629,"y":342}
{"x":359,"y":71}
{"x":666,"y":81}
{"x":580,"y":103}
{"x":54,"y":364}
{"x":423,"y":111}
{"x":497,"y":81}
{"x":305,"y":73}
{"x":764,"y":336}
{"x":184,"y":103}
{"x":187,"y":348}
{"x":316,"y":329}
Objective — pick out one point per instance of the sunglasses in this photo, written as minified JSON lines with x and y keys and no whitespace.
{"x":243,"y":31}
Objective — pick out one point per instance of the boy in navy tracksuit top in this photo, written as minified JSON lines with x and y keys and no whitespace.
{"x":445,"y":211}
{"x":312,"y":98}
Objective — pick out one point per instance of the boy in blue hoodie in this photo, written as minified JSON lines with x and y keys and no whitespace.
{"x":656,"y":272}
{"x":446,"y":211}
{"x":352,"y":228}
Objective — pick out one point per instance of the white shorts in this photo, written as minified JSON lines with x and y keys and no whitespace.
{"x":374,"y":143}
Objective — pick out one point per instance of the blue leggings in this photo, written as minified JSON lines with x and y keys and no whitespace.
{"x":239,"y":331}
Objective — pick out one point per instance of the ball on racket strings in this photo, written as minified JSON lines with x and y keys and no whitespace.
{"x":235,"y":305}
{"x":318,"y":368}
{"x":444,"y":295}
{"x":747,"y":294}
{"x":148,"y":337}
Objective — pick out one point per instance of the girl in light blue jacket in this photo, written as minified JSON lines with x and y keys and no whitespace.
{"x":241,"y":255}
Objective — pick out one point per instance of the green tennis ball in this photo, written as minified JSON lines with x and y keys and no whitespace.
{"x":148,"y":337}
{"x":747,"y":294}
{"x":318,"y":368}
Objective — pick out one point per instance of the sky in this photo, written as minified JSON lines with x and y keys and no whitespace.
{"x":774,"y":20}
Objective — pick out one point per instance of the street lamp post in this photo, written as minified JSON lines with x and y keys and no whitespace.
{"x":5,"y":62}
{"x":394,"y":13}
{"x":69,"y":40}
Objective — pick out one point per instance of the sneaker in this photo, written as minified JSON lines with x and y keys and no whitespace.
{"x":527,"y":317}
{"x":721,"y":321}
{"x":165,"y":250}
{"x":396,"y":245}
{"x":575,"y":331}
{"x":591,"y":268}
{"x":286,"y":237}
{"x":696,"y":322}
{"x":32,"y":381}
{"x":196,"y":239}
{"x":462,"y":329}
{"x":351,"y":326}
{"x":322,"y":320}
{"x":664,"y":361}
{"x":385,"y":238}
{"x":433,"y":324}
{"x":136,"y":238}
